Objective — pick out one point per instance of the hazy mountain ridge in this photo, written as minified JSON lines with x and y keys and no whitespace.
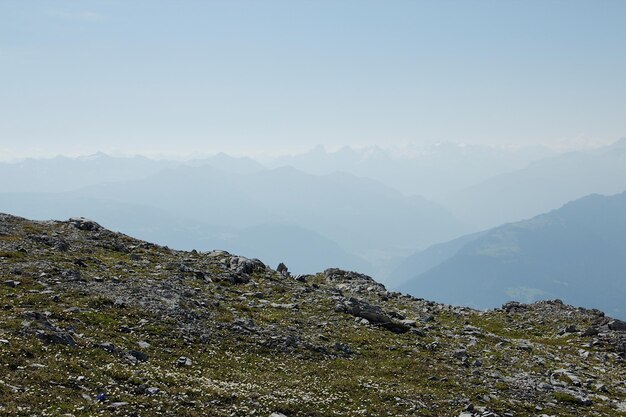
{"x":96,"y":322}
{"x":576,"y":253}
{"x":431,"y":171}
{"x":543,"y":185}
{"x":358,"y":216}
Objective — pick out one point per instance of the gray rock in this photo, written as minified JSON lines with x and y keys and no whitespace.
{"x":85,"y":224}
{"x":617,"y":325}
{"x":570,"y":329}
{"x":282,"y":269}
{"x":288,"y":306}
{"x":591,"y":331}
{"x":183,"y":361}
{"x":109,"y":347}
{"x":11,"y":283}
{"x":140,"y":356}
{"x":374,"y":314}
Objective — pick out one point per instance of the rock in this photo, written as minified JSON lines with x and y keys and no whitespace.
{"x":460,"y":354}
{"x":244,"y":265}
{"x":152,"y":390}
{"x":289,"y":306}
{"x":183,"y":361}
{"x":591,"y":331}
{"x":62,"y":245}
{"x":282,"y":269}
{"x":617,"y":325}
{"x":374,"y":314}
{"x":11,"y":283}
{"x":513,"y":306}
{"x":570,"y":329}
{"x":118,"y":404}
{"x":56,"y":337}
{"x":85,"y":224}
{"x":138,"y":355}
{"x":277,"y":415}
{"x":545,"y":386}
{"x":109,"y":347}
{"x":143,"y":344}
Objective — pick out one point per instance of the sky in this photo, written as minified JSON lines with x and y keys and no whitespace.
{"x":178,"y":77}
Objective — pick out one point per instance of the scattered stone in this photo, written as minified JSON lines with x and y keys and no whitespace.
{"x":11,"y":283}
{"x":183,"y":361}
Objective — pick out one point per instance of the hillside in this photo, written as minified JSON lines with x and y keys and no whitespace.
{"x":543,"y":185}
{"x":576,"y":253}
{"x":98,"y":323}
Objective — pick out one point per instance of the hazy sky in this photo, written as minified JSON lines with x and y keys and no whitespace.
{"x":185,"y":76}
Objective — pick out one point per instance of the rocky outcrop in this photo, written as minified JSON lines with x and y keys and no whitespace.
{"x":98,"y":323}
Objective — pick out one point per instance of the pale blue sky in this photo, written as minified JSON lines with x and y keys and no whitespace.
{"x":185,"y":76}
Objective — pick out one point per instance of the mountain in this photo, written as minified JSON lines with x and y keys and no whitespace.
{"x":543,"y":185}
{"x":428,"y":258}
{"x":227,"y":163}
{"x":430,"y":170}
{"x":576,"y":253}
{"x":361,"y":215}
{"x":62,"y":173}
{"x":98,"y":323}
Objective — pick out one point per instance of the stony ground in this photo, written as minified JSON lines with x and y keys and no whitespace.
{"x":97,"y":323}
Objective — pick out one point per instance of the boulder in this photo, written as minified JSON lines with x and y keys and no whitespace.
{"x":83,"y":223}
{"x":617,"y":325}
{"x":374,"y":314}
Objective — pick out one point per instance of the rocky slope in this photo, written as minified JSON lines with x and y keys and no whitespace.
{"x":97,"y":323}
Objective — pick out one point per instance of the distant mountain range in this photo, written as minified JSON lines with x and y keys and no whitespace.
{"x":541,"y":186}
{"x":221,"y":202}
{"x":430,"y":170}
{"x":576,"y":253}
